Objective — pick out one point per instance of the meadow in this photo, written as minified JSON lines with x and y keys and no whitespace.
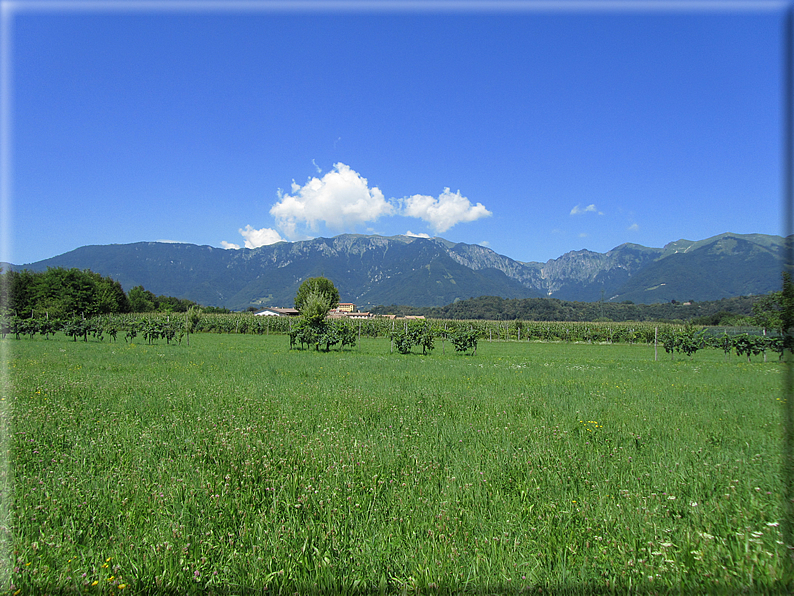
{"x":235,"y":464}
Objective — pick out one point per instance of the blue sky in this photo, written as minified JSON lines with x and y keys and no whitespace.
{"x":534,"y":129}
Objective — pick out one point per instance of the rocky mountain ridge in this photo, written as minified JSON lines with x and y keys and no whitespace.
{"x":372,"y":270}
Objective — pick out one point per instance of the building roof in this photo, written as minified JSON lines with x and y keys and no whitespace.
{"x":280,"y":312}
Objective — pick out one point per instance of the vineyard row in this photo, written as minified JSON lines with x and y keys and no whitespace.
{"x":177,"y":325}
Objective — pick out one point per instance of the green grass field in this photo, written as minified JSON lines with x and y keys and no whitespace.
{"x":235,"y":464}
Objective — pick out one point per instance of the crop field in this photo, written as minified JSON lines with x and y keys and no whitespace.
{"x":235,"y":464}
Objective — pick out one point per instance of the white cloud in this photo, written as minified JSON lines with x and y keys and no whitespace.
{"x":633,"y":227}
{"x":419,"y":235}
{"x":583,"y":235}
{"x":446,"y":211}
{"x":255,"y":238}
{"x":590,"y":208}
{"x":341,"y":199}
{"x":485,"y":243}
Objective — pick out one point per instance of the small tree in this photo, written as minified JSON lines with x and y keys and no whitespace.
{"x":312,"y":328}
{"x":76,"y":327}
{"x":317,"y":285}
{"x":142,"y":300}
{"x":724,"y":342}
{"x":192,"y":319}
{"x":315,"y":307}
{"x":671,"y":341}
{"x":777,"y":345}
{"x":328,"y":336}
{"x":403,"y":340}
{"x":347,"y":335}
{"x":427,"y":338}
{"x":745,"y":345}
{"x":691,"y":340}
{"x":417,"y":333}
{"x":302,"y":333}
{"x":464,"y":340}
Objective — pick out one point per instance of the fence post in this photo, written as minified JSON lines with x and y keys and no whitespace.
{"x":655,"y":344}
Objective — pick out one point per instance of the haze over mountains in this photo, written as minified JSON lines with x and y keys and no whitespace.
{"x":375,"y":270}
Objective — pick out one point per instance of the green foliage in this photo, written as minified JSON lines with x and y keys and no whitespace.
{"x":314,"y":286}
{"x":315,"y":306}
{"x":403,"y":341}
{"x":328,"y":335}
{"x":415,"y":333}
{"x":768,"y":312}
{"x":61,"y":293}
{"x":746,"y":345}
{"x":76,"y":327}
{"x":465,"y":340}
{"x":731,"y":310}
{"x":302,"y":333}
{"x":691,"y":340}
{"x":142,"y":300}
{"x":347,"y":334}
{"x":670,"y":339}
{"x":723,"y":342}
{"x":322,"y":333}
{"x":192,"y":319}
{"x":787,"y":311}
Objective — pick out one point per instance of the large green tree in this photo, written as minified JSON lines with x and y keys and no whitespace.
{"x":61,"y":293}
{"x":322,"y":286}
{"x":142,"y":300}
{"x":773,"y":311}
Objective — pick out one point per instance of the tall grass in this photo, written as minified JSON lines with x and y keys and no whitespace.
{"x":238,"y":464}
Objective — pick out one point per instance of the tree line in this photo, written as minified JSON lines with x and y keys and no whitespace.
{"x":60,"y":293}
{"x":725,"y":312}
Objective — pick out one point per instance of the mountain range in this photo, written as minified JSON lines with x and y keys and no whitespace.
{"x":380,"y":270}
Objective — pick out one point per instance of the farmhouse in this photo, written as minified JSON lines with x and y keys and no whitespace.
{"x":340,"y":314}
{"x":277,"y":312}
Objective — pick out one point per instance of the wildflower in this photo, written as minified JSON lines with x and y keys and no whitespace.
{"x":122,"y":586}
{"x":95,"y":582}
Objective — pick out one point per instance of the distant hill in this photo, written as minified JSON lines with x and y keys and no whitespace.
{"x":376,"y":270}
